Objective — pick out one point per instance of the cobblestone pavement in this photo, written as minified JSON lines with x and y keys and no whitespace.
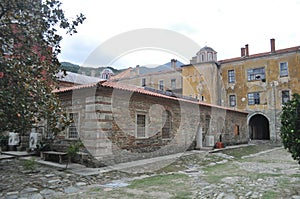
{"x":268,"y":174}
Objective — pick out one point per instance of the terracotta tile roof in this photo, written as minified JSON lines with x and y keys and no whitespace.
{"x":141,"y":90}
{"x":124,"y":74}
{"x":77,"y":87}
{"x":280,"y":51}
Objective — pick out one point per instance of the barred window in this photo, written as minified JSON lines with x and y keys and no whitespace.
{"x":231,"y":76}
{"x":73,"y":128}
{"x":232,"y":100}
{"x":253,"y":98}
{"x":141,"y":125}
{"x":284,"y":69}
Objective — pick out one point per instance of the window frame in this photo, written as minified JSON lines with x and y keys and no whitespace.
{"x":255,"y":99}
{"x":230,"y":100}
{"x":231,"y":76}
{"x":137,"y":127}
{"x":282,"y":96}
{"x":161,"y":85}
{"x":253,"y":73}
{"x":143,"y":83}
{"x":73,"y":125}
{"x":283,"y":72}
{"x":173,"y":83}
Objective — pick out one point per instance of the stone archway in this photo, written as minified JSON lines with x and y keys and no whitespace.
{"x":259,"y":127}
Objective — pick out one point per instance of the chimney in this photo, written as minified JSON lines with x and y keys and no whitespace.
{"x":137,"y":69}
{"x":272,"y":45}
{"x":247,"y":50}
{"x":173,"y":64}
{"x":242,"y":52}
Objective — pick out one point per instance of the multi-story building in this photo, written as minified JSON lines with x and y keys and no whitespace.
{"x":166,"y":79}
{"x":259,"y":83}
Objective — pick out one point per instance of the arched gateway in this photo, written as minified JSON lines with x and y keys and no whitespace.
{"x":259,"y":127}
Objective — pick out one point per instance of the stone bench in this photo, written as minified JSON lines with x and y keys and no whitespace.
{"x":46,"y":154}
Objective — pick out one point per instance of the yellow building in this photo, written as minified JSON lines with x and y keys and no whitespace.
{"x":258,"y":83}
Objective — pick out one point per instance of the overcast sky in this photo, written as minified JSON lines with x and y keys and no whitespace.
{"x":224,"y":25}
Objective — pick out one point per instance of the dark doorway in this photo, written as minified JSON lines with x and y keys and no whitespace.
{"x":259,"y":128}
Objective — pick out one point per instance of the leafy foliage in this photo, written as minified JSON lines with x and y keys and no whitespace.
{"x":87,"y":70}
{"x":290,"y":126}
{"x":72,"y":150}
{"x":29,"y":45}
{"x":30,"y":164}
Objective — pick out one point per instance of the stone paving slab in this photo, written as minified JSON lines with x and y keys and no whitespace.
{"x":2,"y":156}
{"x":16,"y":153}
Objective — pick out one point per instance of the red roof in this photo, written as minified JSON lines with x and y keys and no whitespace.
{"x":137,"y":89}
{"x":280,"y":51}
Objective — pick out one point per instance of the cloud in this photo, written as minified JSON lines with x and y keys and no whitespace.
{"x":225,"y":26}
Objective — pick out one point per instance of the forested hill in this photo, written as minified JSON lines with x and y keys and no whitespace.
{"x":90,"y":71}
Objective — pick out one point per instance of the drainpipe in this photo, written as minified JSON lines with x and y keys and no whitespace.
{"x":275,"y":116}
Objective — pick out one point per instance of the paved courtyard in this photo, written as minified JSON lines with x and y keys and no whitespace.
{"x":249,"y":172}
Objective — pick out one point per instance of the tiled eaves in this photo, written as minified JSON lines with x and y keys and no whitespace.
{"x":140,"y":90}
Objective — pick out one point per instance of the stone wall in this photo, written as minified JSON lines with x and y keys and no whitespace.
{"x":108,"y":126}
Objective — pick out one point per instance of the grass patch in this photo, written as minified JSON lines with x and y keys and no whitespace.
{"x":269,"y":195}
{"x":248,"y":150}
{"x":182,"y":195}
{"x":183,"y":162}
{"x":159,"y":180}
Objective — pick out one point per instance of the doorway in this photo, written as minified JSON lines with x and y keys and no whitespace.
{"x":259,"y":127}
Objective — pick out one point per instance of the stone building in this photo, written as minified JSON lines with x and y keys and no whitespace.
{"x":164,"y":78}
{"x":258,"y":83}
{"x":119,"y":123}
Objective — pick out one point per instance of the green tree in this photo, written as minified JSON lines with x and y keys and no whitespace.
{"x":290,"y":126}
{"x":29,"y":45}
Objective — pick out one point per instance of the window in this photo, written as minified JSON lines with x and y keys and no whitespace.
{"x":232,"y":100}
{"x":209,"y":56}
{"x":256,"y":74}
{"x":236,"y":129}
{"x":202,"y":57}
{"x":231,"y":76}
{"x":167,"y":124}
{"x":173,"y":83}
{"x":285,"y":95}
{"x":284,"y":71}
{"x":144,"y":82}
{"x":161,"y":85}
{"x":253,"y":98}
{"x":141,"y":125}
{"x":73,"y":128}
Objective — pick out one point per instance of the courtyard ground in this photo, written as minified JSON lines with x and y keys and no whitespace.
{"x":254,"y":171}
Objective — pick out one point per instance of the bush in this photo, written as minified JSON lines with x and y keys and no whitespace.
{"x":72,"y":150}
{"x":290,"y":126}
{"x":30,"y":164}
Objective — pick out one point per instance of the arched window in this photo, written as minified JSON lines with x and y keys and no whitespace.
{"x":167,"y":124}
